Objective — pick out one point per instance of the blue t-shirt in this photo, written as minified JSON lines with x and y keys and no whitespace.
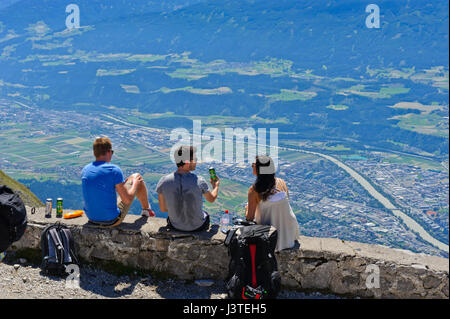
{"x":98,"y":182}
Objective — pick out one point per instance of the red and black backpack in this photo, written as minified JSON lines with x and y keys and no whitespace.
{"x":252,"y":271}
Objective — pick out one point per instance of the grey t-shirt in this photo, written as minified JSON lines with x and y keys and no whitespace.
{"x":183,"y":195}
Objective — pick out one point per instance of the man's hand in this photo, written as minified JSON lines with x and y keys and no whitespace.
{"x":212,"y":195}
{"x":137,"y":178}
{"x":215,"y":183}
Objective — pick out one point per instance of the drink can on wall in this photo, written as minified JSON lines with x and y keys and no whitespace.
{"x":48,"y":207}
{"x":59,"y":207}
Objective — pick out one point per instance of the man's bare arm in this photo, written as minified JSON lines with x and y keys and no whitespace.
{"x":162,"y":203}
{"x":212,"y":195}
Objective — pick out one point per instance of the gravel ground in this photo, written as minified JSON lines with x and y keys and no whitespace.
{"x":21,"y":279}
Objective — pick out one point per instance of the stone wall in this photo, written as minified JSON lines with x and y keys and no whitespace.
{"x":317,"y":264}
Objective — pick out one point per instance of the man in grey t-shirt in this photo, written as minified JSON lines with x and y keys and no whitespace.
{"x":181,"y":193}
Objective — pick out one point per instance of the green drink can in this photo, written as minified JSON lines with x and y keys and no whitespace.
{"x":212,"y":173}
{"x":59,"y":207}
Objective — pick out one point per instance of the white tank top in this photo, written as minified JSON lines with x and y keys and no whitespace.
{"x":277,"y":212}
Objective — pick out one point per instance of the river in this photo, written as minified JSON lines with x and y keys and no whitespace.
{"x":411,"y":223}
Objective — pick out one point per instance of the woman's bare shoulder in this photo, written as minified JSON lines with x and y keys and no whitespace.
{"x":281,"y":182}
{"x":252,"y":194}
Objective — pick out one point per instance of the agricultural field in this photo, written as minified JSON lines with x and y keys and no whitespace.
{"x":425,"y":123}
{"x":292,"y":95}
{"x":338,"y":107}
{"x":422,"y":163}
{"x":232,"y":196}
{"x":384,"y":92}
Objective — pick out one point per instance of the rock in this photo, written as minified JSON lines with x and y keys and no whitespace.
{"x":405,"y":285}
{"x":431,"y":282}
{"x":444,"y":289}
{"x":419,"y":266}
{"x":204,"y":282}
{"x":16,"y":266}
{"x":122,"y":288}
{"x":147,"y":280}
{"x":320,"y":277}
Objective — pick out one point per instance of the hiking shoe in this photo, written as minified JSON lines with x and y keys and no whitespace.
{"x":147,"y":212}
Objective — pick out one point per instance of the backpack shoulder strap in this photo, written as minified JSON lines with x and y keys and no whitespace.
{"x":57,"y":243}
{"x":71,"y":248}
{"x":44,"y":241}
{"x":230,"y":236}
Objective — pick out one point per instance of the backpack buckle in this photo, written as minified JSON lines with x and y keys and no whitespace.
{"x":249,"y":292}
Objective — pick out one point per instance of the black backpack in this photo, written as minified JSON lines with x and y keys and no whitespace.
{"x":58,"y":249}
{"x":253,"y":271}
{"x":13,"y":217}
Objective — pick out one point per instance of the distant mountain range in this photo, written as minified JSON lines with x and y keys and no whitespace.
{"x":313,"y":66}
{"x":311,"y":33}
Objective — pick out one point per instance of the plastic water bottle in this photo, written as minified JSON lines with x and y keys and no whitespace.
{"x":225,"y":221}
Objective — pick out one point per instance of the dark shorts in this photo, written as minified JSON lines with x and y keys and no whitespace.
{"x":111,"y":223}
{"x":203,"y":227}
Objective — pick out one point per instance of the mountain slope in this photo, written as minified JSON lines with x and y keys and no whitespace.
{"x":25,"y":194}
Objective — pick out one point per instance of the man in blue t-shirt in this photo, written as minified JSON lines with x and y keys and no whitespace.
{"x":100,"y":182}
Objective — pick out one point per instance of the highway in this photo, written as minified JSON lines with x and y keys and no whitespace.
{"x":409,"y":222}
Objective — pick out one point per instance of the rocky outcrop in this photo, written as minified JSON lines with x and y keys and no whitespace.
{"x":316,"y":264}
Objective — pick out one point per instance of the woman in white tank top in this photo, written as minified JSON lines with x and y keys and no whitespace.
{"x":268,"y":203}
